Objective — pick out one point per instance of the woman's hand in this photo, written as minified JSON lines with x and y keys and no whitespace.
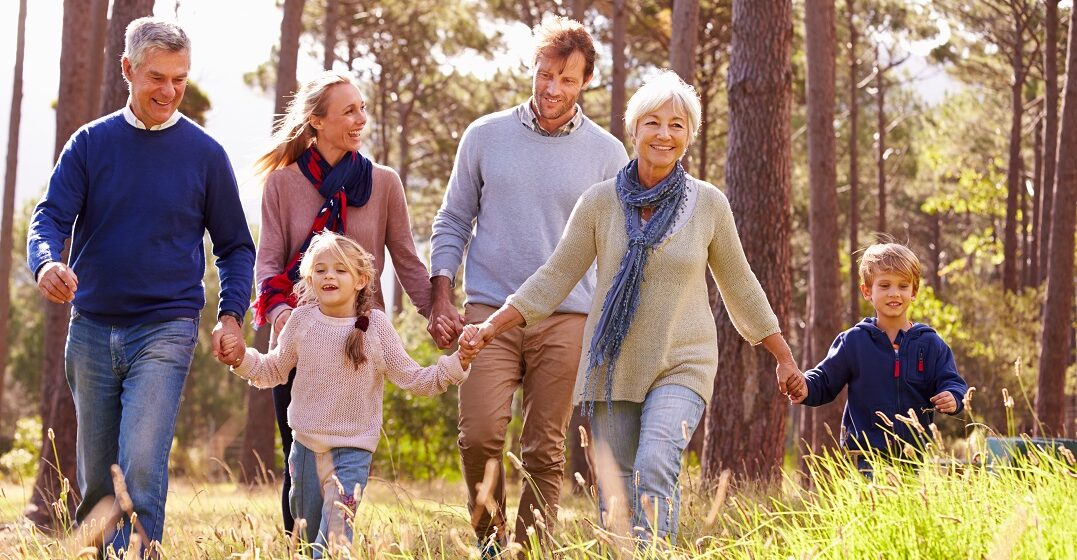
{"x":282,"y":318}
{"x":791,"y":382}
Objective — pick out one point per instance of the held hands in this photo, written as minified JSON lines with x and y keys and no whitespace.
{"x":57,"y":282}
{"x":791,"y":382}
{"x":474,"y":339}
{"x":945,"y":402}
{"x":227,"y":326}
{"x":446,"y":323}
{"x":232,"y":345}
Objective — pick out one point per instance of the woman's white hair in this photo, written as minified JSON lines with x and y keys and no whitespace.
{"x":146,"y":33}
{"x":656,"y":90}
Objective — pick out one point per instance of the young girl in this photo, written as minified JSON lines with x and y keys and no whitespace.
{"x":342,"y":351}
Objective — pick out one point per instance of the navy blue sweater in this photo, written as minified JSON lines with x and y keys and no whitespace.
{"x":881,"y":380}
{"x":140,"y":202}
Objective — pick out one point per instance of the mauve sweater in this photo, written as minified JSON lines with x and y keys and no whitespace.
{"x":289,"y":205}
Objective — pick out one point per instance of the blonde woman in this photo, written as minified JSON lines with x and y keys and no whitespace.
{"x":317,"y":180}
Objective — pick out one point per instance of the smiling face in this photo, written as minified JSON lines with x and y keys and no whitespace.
{"x":336,"y":285}
{"x":556,"y":85}
{"x":660,"y":140}
{"x":157,"y":85}
{"x":890,"y":294}
{"x":339,"y":130}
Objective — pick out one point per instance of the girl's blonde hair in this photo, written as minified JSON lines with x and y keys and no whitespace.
{"x":294,"y":133}
{"x":360,"y":264}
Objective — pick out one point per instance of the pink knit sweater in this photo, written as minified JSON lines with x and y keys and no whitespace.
{"x":333,"y":403}
{"x":289,"y":204}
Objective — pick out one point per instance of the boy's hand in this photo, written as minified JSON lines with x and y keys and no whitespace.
{"x":232,"y":349}
{"x":791,"y":382}
{"x":945,"y":402}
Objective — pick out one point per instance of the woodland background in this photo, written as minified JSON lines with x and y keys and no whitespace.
{"x":815,"y":125}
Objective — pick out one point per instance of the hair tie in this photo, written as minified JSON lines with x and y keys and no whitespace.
{"x":362,"y":322}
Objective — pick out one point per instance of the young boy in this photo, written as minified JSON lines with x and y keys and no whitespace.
{"x":889,"y":363}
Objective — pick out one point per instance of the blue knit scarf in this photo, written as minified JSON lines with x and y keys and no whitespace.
{"x":622,"y":299}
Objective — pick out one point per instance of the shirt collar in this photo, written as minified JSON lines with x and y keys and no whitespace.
{"x":530,"y":120}
{"x":129,"y":116}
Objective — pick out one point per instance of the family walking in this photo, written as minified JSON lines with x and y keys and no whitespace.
{"x":585,"y":283}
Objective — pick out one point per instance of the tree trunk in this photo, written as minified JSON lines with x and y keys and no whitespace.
{"x":291,"y":25}
{"x":1013,"y":171}
{"x":332,"y":17}
{"x":618,"y":75}
{"x":99,"y":13}
{"x":6,"y":221}
{"x":746,"y":425}
{"x":682,"y":42}
{"x":880,"y":154}
{"x":56,"y":466}
{"x":854,"y":167}
{"x":1058,"y":307}
{"x":1032,"y":278}
{"x":1022,"y":224}
{"x":824,"y":317}
{"x":1050,"y":132}
{"x":114,"y":90}
{"x":259,"y":436}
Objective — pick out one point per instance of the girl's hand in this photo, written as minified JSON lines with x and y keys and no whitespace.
{"x":232,"y":350}
{"x":282,"y":318}
{"x":945,"y":402}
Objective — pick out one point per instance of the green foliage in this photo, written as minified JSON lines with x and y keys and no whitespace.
{"x":195,"y":103}
{"x":20,"y":462}
{"x":419,"y":433}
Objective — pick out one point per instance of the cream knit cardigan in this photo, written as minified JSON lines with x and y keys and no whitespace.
{"x":672,"y":339}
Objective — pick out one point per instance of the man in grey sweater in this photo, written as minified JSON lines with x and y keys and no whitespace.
{"x":517,"y":176}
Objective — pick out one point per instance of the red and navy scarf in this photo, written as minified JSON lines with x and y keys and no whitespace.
{"x":348,"y":183}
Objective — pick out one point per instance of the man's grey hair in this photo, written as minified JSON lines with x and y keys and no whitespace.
{"x":147,"y":33}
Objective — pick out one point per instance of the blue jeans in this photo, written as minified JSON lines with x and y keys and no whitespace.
{"x":645,"y":442}
{"x":315,"y":478}
{"x":127,"y":383}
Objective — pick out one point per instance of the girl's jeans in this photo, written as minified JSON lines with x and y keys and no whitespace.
{"x":319,"y":480}
{"x":645,"y":442}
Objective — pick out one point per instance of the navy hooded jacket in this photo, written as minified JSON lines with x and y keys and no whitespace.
{"x":881,"y":379}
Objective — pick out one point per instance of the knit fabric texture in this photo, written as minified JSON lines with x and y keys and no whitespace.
{"x":509,"y":196}
{"x":335,"y":404}
{"x":672,"y":339}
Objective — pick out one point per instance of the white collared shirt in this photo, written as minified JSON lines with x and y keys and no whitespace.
{"x":132,"y":120}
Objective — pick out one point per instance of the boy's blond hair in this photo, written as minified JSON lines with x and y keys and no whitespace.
{"x":894,"y":258}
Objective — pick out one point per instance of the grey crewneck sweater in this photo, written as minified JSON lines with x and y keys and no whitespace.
{"x":510,"y":195}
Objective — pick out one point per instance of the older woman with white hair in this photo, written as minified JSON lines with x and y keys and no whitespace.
{"x":650,"y":370}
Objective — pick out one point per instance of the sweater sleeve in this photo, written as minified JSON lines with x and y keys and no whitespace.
{"x":540,"y":295}
{"x":826,"y":380}
{"x":272,"y":369}
{"x":454,"y":220}
{"x":272,"y":241}
{"x":948,"y":379}
{"x":405,"y":372}
{"x":232,"y":243}
{"x":54,"y":216}
{"x":748,"y":307}
{"x":401,"y":245}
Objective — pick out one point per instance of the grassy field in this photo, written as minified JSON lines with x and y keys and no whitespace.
{"x":929,"y":510}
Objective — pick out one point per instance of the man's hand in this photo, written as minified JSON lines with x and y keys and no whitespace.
{"x":446,"y":323}
{"x":945,"y":402}
{"x":227,"y":325}
{"x":57,"y":282}
{"x":232,"y":344}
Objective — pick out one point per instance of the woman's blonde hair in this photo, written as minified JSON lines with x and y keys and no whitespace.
{"x":294,"y":133}
{"x":359,"y":263}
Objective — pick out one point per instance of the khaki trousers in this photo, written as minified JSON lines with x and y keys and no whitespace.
{"x":543,"y":359}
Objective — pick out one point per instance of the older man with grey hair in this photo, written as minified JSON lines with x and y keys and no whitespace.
{"x":135,"y":191}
